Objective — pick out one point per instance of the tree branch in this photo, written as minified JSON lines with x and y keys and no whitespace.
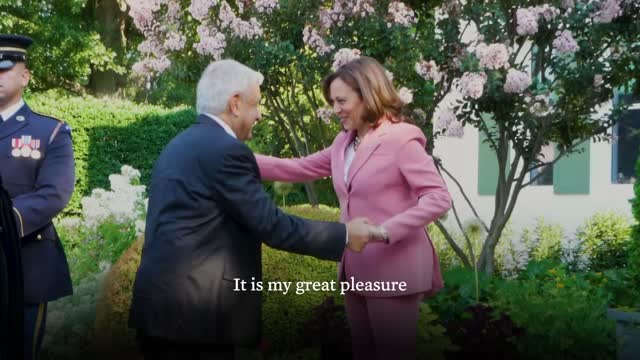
{"x":452,"y":243}
{"x":439,"y":166}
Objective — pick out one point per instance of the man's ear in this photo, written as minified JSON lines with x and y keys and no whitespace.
{"x":26,"y":76}
{"x":234,"y":104}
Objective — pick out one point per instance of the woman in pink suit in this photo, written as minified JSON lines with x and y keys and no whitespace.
{"x":380,"y":171}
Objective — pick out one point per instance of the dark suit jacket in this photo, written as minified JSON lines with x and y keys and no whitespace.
{"x":40,"y":187}
{"x":208,"y":215}
{"x":11,"y":289}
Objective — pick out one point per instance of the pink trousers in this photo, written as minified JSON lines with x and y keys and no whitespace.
{"x":383,"y":327}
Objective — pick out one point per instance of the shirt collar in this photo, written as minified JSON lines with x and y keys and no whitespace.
{"x":11,"y":110}
{"x":224,"y":125}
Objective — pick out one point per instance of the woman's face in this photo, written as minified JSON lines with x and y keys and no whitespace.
{"x":347,"y":104}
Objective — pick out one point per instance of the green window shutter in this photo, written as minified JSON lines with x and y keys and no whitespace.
{"x":571,"y":173}
{"x":487,"y":162}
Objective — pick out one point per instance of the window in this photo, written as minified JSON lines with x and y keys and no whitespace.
{"x":626,"y":142}
{"x":547,"y":154}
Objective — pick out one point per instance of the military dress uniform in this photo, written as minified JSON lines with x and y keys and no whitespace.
{"x":38,"y":170}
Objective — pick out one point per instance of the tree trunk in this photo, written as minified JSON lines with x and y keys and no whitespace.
{"x":312,"y":196}
{"x":110,"y":18}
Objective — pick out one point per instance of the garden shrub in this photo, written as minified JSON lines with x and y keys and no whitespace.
{"x":70,"y":320}
{"x":547,"y":241}
{"x":633,"y":259}
{"x":285,"y":317}
{"x":282,"y":314}
{"x":543,"y":241}
{"x":605,"y":239}
{"x":113,"y":335}
{"x":563,"y":314}
{"x":109,"y":133}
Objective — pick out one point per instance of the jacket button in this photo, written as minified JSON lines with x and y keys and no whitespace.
{"x":39,"y":237}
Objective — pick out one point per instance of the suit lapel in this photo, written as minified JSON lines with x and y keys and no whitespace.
{"x":12,"y":125}
{"x":367,"y":147}
{"x":340,"y":159}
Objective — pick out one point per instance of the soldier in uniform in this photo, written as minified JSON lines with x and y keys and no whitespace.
{"x":37,"y":169}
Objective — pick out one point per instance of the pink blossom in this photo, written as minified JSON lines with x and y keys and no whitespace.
{"x":248,"y":29}
{"x":527,"y":20}
{"x":226,"y":16}
{"x":541,"y":106}
{"x":343,"y":8}
{"x":325,"y":114}
{"x":312,"y":38}
{"x":199,"y":9}
{"x":406,"y":95}
{"x":565,"y":43}
{"x":401,"y":14}
{"x":609,"y":10}
{"x":174,"y":10}
{"x":243,"y":29}
{"x":174,"y":41}
{"x":161,"y":64}
{"x":212,"y":42}
{"x":444,"y":119}
{"x":428,"y":70}
{"x":142,"y":67}
{"x":455,"y":129}
{"x":266,"y":6}
{"x":142,"y":12}
{"x":326,"y":19}
{"x":598,"y":80}
{"x":517,"y":81}
{"x":493,"y":56}
{"x":547,"y":12}
{"x":362,"y":8}
{"x":343,"y":56}
{"x":471,"y":84}
{"x":150,"y":65}
{"x":389,"y":74}
{"x":150,"y":46}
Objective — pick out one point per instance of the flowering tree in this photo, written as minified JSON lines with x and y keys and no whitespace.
{"x":524,"y":73}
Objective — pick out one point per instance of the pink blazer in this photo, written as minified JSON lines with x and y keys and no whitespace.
{"x":392,"y":181}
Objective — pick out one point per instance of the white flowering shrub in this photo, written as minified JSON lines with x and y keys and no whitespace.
{"x":110,"y":221}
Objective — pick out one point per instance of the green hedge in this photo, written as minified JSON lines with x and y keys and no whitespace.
{"x":110,"y":133}
{"x":282,"y":314}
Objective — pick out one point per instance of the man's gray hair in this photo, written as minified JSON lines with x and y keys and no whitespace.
{"x":221,"y":80}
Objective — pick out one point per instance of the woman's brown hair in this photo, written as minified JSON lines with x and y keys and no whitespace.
{"x":369,"y":79}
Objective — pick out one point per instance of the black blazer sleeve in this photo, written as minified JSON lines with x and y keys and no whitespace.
{"x":237,"y":184}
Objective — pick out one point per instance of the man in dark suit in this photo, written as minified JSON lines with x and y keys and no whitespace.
{"x":37,"y":169}
{"x":11,"y":289}
{"x":207,"y":218}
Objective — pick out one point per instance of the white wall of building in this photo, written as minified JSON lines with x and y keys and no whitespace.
{"x":460,"y":157}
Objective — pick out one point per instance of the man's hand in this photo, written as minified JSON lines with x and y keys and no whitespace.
{"x":359,"y":231}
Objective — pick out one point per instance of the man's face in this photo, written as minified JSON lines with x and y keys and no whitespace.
{"x":12,"y":83}
{"x":246,"y":109}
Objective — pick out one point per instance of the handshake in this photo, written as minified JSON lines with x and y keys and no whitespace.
{"x":361,"y":232}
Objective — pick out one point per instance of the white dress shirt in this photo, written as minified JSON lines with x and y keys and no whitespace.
{"x":11,"y":110}
{"x":349,"y":154}
{"x":224,"y":125}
